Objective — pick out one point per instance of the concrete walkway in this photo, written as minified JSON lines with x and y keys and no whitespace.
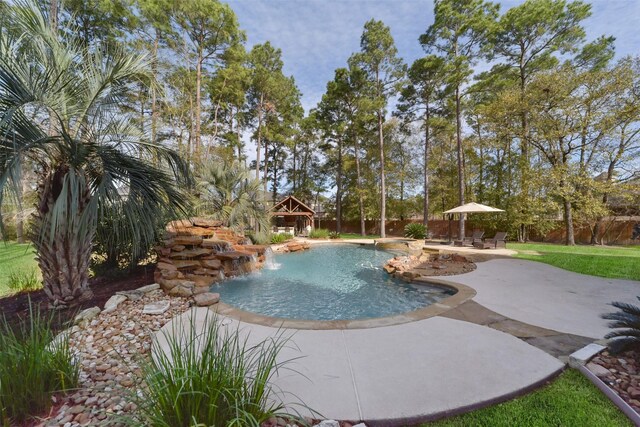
{"x":547,"y":296}
{"x":397,"y":374}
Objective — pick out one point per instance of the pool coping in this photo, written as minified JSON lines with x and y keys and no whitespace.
{"x":463,"y":294}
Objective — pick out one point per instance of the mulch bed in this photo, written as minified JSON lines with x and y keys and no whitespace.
{"x":622,"y":373}
{"x":15,"y":307}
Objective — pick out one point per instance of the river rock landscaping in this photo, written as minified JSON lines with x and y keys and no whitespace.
{"x":621,"y":373}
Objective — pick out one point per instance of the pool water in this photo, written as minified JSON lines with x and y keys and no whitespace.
{"x":328,"y":282}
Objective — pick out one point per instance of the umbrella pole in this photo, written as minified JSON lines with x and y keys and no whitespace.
{"x":450,"y":216}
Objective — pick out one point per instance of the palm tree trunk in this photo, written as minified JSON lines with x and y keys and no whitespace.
{"x":64,"y":252}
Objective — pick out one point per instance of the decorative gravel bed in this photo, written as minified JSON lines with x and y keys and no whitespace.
{"x":621,"y":373}
{"x":110,"y":347}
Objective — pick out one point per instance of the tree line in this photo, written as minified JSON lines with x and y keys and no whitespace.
{"x":516,"y":109}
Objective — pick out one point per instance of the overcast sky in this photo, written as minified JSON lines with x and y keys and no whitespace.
{"x":318,"y":36}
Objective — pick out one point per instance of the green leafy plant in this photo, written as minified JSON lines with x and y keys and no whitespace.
{"x":627,"y":323}
{"x":209,"y":376}
{"x":280,"y":238}
{"x":259,"y":238}
{"x":24,"y":281}
{"x":92,"y":162}
{"x":33,"y":367}
{"x":334,"y":235}
{"x":228,"y":192}
{"x":415,"y":230}
{"x":319,"y":233}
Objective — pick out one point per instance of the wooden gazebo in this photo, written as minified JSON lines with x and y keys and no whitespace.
{"x":291,"y":215}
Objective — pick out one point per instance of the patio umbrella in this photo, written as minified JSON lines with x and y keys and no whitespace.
{"x":469,"y":208}
{"x":472,"y":208}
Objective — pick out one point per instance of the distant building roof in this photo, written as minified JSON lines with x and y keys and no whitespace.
{"x":290,"y":206}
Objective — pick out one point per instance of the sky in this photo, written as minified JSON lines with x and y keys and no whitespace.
{"x":318,"y":36}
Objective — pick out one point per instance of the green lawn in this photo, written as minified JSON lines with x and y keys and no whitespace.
{"x":358,"y":236}
{"x":603,"y":261}
{"x":571,"y":400}
{"x":15,"y":258}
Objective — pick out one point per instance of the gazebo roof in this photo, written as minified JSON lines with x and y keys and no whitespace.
{"x":290,"y":206}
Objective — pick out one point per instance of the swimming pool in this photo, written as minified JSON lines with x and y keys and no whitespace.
{"x":328,"y":282}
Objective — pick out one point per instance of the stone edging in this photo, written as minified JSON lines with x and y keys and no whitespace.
{"x":463,"y":294}
{"x":612,"y":395}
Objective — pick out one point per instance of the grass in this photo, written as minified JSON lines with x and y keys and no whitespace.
{"x":571,"y":400}
{"x":603,"y":261}
{"x":358,"y":236}
{"x":15,"y":259}
{"x":32,"y":368}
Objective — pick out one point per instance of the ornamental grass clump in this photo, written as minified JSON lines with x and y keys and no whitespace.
{"x":24,"y":281}
{"x":33,"y":367}
{"x":319,"y":233}
{"x":211,"y":377}
{"x":626,"y":321}
{"x":280,"y":238}
{"x":415,"y":230}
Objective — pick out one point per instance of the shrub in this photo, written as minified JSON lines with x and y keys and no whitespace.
{"x":319,"y":233}
{"x":211,"y":377}
{"x":259,"y":238}
{"x":334,"y":235}
{"x":32,"y":368}
{"x":280,"y":238}
{"x":415,"y":230}
{"x":627,"y":318}
{"x":24,"y":281}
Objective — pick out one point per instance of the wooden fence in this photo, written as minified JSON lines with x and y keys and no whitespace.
{"x":614,"y":231}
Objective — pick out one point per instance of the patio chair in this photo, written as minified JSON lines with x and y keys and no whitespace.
{"x":498,"y":241}
{"x":477,"y":237}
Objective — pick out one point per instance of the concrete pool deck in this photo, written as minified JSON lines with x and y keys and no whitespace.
{"x":396,"y":374}
{"x":483,"y":351}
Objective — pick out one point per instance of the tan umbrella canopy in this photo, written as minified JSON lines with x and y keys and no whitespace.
{"x":472,"y":208}
{"x":469,"y":208}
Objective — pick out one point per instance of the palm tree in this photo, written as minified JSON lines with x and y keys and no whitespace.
{"x":61,"y":108}
{"x":228,"y":193}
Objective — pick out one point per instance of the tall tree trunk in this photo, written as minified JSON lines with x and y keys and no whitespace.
{"x":339,"y":189}
{"x":197,"y":147}
{"x":266,"y":166}
{"x":383,"y":190}
{"x":568,"y":223}
{"x":64,"y":256}
{"x":295,"y":156}
{"x":259,"y":138}
{"x":53,"y":14}
{"x":154,"y":101}
{"x":524,"y":162}
{"x":363,"y":230}
{"x":460,"y":162}
{"x":425,"y":205}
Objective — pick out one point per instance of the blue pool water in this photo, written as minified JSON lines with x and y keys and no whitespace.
{"x":329,"y":282}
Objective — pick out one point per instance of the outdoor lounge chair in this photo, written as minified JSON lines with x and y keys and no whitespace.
{"x":498,"y":241}
{"x":477,"y":237}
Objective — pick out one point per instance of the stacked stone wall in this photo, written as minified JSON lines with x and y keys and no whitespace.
{"x":200,"y":252}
